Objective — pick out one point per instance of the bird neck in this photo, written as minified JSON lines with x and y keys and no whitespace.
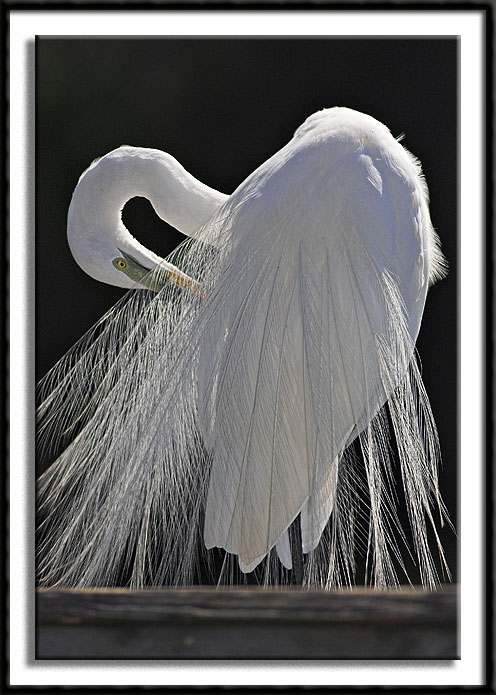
{"x":128,"y":172}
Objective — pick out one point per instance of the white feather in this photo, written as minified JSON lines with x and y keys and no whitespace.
{"x":226,"y":415}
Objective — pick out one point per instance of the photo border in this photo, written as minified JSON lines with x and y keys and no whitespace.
{"x":478,"y":380}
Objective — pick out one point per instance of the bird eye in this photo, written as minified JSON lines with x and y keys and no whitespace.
{"x":120,"y":263}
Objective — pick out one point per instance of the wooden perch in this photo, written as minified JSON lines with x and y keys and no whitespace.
{"x":238,"y":623}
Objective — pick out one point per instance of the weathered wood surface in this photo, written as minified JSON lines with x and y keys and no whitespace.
{"x":204,"y":623}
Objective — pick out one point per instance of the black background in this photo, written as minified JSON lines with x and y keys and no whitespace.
{"x":222,"y":107}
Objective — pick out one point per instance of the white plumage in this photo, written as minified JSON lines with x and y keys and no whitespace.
{"x":214,"y":415}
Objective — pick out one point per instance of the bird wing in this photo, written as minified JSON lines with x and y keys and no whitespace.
{"x":294,"y":348}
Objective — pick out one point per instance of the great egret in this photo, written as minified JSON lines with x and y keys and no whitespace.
{"x":218,"y":406}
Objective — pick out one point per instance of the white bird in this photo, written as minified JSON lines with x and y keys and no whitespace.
{"x":219,"y":408}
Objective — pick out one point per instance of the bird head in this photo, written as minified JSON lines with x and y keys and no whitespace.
{"x":99,"y":241}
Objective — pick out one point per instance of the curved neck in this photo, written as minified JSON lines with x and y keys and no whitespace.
{"x":95,"y":231}
{"x":177,"y":197}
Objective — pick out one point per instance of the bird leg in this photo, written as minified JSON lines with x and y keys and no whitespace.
{"x":296,"y":552}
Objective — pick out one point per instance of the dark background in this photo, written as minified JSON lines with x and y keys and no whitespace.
{"x":222,"y":107}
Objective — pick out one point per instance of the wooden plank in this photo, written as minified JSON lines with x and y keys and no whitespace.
{"x":204,"y":623}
